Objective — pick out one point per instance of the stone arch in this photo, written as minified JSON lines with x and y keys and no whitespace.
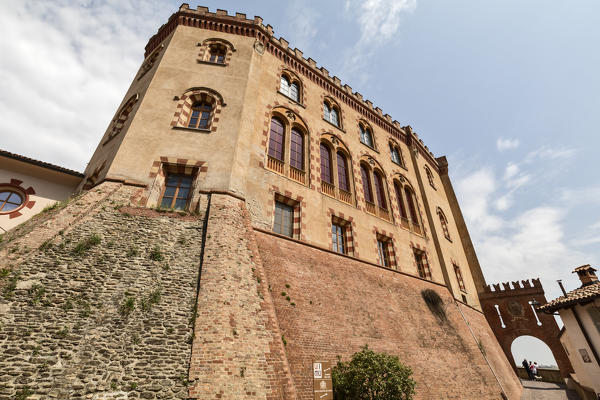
{"x":510,"y":314}
{"x":205,"y":46}
{"x":122,"y":116}
{"x":185,"y":102}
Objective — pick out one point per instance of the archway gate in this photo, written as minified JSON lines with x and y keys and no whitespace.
{"x":510,"y":313}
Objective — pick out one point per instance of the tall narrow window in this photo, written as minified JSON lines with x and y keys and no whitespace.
{"x":283,"y":222}
{"x":284,"y":86}
{"x":342,"y":172}
{"x":217,"y":54}
{"x":368,"y":191}
{"x":365,"y":136}
{"x":333,"y":117}
{"x":459,"y":278}
{"x":326,"y":111}
{"x":338,"y":238}
{"x":400,"y":200}
{"x":326,"y":164}
{"x":384,"y":256}
{"x":422,"y":265}
{"x":380,"y":191}
{"x":411,"y":205}
{"x":200,"y":115}
{"x":294,"y":92}
{"x":444,"y":223}
{"x":395,"y":154}
{"x":429,"y":177}
{"x":297,"y":149}
{"x":276,"y":140}
{"x":177,"y":191}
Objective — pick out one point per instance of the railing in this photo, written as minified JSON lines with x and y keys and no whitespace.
{"x":416,"y":228}
{"x":344,"y":196}
{"x":328,"y":188}
{"x":297,"y":175}
{"x":383,"y":213}
{"x":404,"y":222}
{"x":371,"y":208}
{"x":275,"y":165}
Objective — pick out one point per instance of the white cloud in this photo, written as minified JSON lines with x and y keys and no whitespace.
{"x":507,"y":144}
{"x":476,"y":192}
{"x":302,"y":33}
{"x":587,"y":195}
{"x":378,"y":23}
{"x":510,"y":171}
{"x":71,"y":62}
{"x":549,"y":153}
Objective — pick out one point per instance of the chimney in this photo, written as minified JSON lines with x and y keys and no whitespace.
{"x":586,"y":274}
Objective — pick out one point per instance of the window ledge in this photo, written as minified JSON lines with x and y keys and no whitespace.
{"x":369,"y":147}
{"x":400,"y":165}
{"x":292,"y":100}
{"x":334,"y":125}
{"x":212,"y":63}
{"x":200,"y":130}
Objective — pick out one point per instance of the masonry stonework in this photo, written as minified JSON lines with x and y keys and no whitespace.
{"x":110,"y":296}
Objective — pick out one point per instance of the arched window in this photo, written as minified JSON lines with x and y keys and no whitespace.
{"x":342,"y":169}
{"x":297,"y":149}
{"x":366,"y":137}
{"x":276,"y":139}
{"x":380,"y":190}
{"x":429,"y":176}
{"x":366,"y":182}
{"x":396,"y":154}
{"x":326,"y":175}
{"x":400,"y":200}
{"x":331,"y":113}
{"x":284,"y":86}
{"x":290,"y":87}
{"x":444,"y":223}
{"x":217,"y":53}
{"x":9,"y":200}
{"x":410,"y":199}
{"x":294,"y":92}
{"x":200,"y":115}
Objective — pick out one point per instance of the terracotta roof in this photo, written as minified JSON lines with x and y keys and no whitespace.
{"x":18,"y":157}
{"x":582,"y":295}
{"x":586,"y":267}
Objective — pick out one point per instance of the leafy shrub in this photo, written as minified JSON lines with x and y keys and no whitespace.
{"x":372,"y":376}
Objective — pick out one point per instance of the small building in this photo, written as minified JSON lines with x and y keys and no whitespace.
{"x":27,"y":186}
{"x":579,"y":310}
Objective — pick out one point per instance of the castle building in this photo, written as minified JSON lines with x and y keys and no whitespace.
{"x":299,"y":221}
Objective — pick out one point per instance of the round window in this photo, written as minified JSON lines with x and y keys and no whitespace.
{"x":9,"y":200}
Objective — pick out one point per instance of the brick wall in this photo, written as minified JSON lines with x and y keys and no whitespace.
{"x":336,"y":305}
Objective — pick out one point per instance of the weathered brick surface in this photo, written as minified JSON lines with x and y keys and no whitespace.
{"x":237,"y":351}
{"x":63,"y":330}
{"x":340,"y":304}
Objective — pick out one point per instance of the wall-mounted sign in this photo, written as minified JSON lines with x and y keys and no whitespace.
{"x":323,"y":386}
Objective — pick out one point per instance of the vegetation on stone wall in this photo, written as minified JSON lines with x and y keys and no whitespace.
{"x":372,"y":376}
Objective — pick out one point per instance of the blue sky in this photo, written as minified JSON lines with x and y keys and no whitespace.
{"x":508,"y":90}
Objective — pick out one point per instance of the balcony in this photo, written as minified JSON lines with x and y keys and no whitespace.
{"x":344,"y":196}
{"x":371,"y":208}
{"x":286,"y":170}
{"x":327,"y":188}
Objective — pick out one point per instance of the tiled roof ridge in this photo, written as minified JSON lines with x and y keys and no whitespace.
{"x":39,"y":163}
{"x":582,"y":294}
{"x":222,"y":17}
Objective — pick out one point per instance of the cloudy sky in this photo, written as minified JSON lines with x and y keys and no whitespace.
{"x":508,"y":90}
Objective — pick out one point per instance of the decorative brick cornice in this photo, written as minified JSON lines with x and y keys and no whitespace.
{"x":238,"y":24}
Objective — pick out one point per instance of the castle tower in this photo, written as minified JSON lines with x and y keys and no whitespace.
{"x":282,"y":218}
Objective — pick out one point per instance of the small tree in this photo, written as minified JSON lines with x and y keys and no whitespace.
{"x":372,"y":376}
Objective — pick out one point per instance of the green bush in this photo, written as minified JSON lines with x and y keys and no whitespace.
{"x":372,"y":376}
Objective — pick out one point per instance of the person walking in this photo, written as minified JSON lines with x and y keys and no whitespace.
{"x":534,"y":369}
{"x":526,"y":366}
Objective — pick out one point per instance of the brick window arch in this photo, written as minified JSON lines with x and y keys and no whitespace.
{"x":444,"y":223}
{"x":366,"y":135}
{"x":121,"y":118}
{"x":199,"y":109}
{"x":336,"y":169}
{"x":287,"y":152}
{"x":396,"y":154}
{"x":215,"y":51}
{"x":332,"y":113}
{"x":150,"y":61}
{"x":14,"y":197}
{"x":291,"y":86}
